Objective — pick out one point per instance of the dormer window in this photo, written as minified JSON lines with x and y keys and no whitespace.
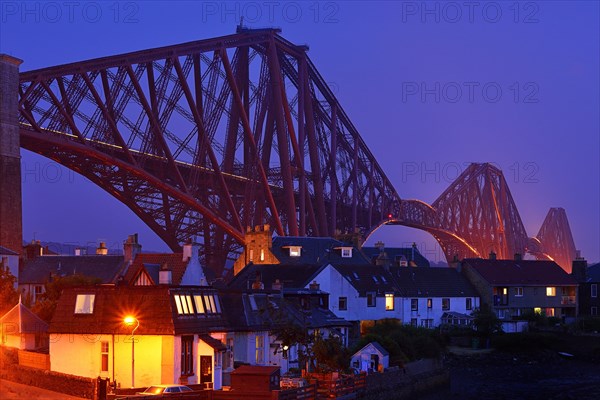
{"x":295,"y":251}
{"x":346,"y":252}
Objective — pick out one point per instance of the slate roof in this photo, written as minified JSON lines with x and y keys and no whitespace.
{"x":394,"y":253}
{"x":291,"y":275}
{"x":23,"y":318}
{"x":7,"y":252}
{"x":153,"y":306}
{"x":106,"y":268}
{"x":315,"y":250}
{"x":593,"y":273}
{"x":432,"y":282}
{"x":520,"y":272}
{"x":368,"y":278}
{"x":265,"y":309}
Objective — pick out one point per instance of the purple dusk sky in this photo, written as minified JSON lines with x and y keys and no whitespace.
{"x":430,"y":86}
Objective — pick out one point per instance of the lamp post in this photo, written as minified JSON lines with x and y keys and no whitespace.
{"x":129,"y":321}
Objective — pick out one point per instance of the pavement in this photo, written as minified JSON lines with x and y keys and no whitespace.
{"x":16,"y":391}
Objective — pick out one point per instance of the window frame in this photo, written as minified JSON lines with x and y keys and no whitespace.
{"x":343,"y":300}
{"x":550,"y":291}
{"x":187,"y":355}
{"x":104,"y":352}
{"x":429,"y":303}
{"x":371,"y":299}
{"x":469,"y":303}
{"x":445,"y":307}
{"x":86,"y":306}
{"x":389,"y":306}
{"x":594,"y":290}
{"x":414,"y":304}
{"x":519,"y":291}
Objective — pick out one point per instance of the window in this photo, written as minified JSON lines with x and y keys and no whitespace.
{"x":389,"y":302}
{"x":260,"y":349}
{"x":84,"y":304}
{"x":187,"y":355}
{"x":295,"y":251}
{"x":551,"y":291}
{"x":594,"y":311}
{"x":184,"y":304}
{"x":469,"y":303}
{"x":537,"y":310}
{"x":371,"y":299}
{"x":251,"y":255}
{"x":198,"y":303}
{"x":594,"y":290}
{"x":343,"y":303}
{"x":549,"y":312}
{"x":346,"y":252}
{"x":104,"y":356}
{"x":413,"y":322}
{"x":519,"y":292}
{"x":262,"y":254}
{"x":414,"y":304}
{"x":209,"y":302}
{"x":427,"y":323}
{"x":430,"y":303}
{"x":445,"y":304}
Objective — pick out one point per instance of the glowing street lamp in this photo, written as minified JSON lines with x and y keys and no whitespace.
{"x":130,"y":321}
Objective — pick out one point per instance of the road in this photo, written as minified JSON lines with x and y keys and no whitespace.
{"x":16,"y":391}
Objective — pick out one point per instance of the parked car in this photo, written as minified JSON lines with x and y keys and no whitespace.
{"x":156,"y":390}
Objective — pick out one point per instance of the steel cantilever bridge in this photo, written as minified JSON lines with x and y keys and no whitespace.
{"x":205,"y":138}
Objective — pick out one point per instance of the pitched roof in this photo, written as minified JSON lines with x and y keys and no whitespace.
{"x":290,"y":275}
{"x":593,"y":273}
{"x":394,"y":253}
{"x":151,"y":263}
{"x":368,"y":278}
{"x":432,"y":282}
{"x":38,"y":270}
{"x":520,"y":272}
{"x":7,"y":252}
{"x":153,"y":306}
{"x":315,"y":250}
{"x":24,"y":319}
{"x":377,"y":346}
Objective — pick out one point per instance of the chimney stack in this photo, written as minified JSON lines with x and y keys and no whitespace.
{"x":579,"y":270}
{"x":102,"y":250}
{"x":131,"y":248}
{"x":165,"y":275}
{"x":492,"y":255}
{"x":314,"y":286}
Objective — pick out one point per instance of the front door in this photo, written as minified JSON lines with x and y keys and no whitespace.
{"x":205,"y":369}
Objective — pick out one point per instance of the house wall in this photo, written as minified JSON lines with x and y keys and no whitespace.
{"x":337,"y":286}
{"x":87,"y":363}
{"x":586,"y":301}
{"x":27,"y":290}
{"x":12,"y":262}
{"x":535,"y":296}
{"x":457,"y":304}
{"x":245,"y":347}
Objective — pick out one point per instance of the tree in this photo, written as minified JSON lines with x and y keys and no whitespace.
{"x":9,"y":296}
{"x":486,"y":322}
{"x":46,"y":302}
{"x":330,"y":354}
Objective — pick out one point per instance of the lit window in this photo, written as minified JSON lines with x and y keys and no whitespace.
{"x":550,"y":291}
{"x":251,"y":255}
{"x":209,"y":302}
{"x":262,"y":254}
{"x":371,"y":299}
{"x":469,"y":303}
{"x":260,"y":349}
{"x":537,"y":310}
{"x":104,"y":356}
{"x":184,"y":304}
{"x":389,"y":301}
{"x":519,"y":292}
{"x":504,"y":291}
{"x":343,"y":303}
{"x":199,"y":305}
{"x":594,"y":289}
{"x":346,"y":252}
{"x":429,"y":303}
{"x":549,"y":312}
{"x":445,"y":304}
{"x":295,"y":251}
{"x":84,"y":304}
{"x":414,"y":304}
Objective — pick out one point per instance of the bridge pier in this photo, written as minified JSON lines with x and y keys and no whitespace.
{"x":11,"y":227}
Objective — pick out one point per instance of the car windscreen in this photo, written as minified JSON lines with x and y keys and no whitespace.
{"x":154,"y":390}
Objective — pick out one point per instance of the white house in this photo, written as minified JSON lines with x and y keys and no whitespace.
{"x":371,"y":358}
{"x":177,"y":333}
